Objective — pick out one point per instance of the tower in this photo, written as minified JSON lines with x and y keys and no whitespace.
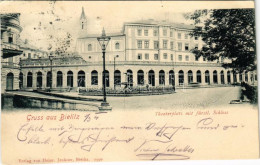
{"x":83,"y":21}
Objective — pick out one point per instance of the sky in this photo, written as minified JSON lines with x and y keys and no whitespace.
{"x":46,"y":23}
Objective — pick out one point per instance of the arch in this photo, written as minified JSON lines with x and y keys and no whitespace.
{"x":89,"y":47}
{"x":228,"y":77}
{"x":222,"y":79}
{"x":140,"y":77}
{"x":151,"y":78}
{"x":117,"y":77}
{"x":129,"y":77}
{"x":70,"y":79}
{"x":10,"y":81}
{"x":171,"y":78}
{"x":190,"y":76}
{"x":29,"y":79}
{"x":215,"y":77}
{"x":207,"y":77}
{"x":81,"y":78}
{"x":181,"y":77}
{"x":20,"y":80}
{"x":39,"y":80}
{"x":94,"y":77}
{"x":49,"y":79}
{"x":117,"y":46}
{"x":198,"y":76}
{"x":161,"y":77}
{"x":59,"y":79}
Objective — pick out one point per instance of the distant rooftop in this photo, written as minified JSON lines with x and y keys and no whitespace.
{"x":166,"y":23}
{"x":99,"y":35}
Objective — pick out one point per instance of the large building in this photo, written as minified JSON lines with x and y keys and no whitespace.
{"x":10,"y":51}
{"x":144,"y":52}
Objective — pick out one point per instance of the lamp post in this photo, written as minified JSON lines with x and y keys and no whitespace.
{"x":115,"y":68}
{"x":103,"y":41}
{"x":51,"y":58}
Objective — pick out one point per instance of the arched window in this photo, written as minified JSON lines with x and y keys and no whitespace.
{"x":207,"y":77}
{"x":199,"y":76}
{"x":234,"y":77}
{"x":89,"y":47}
{"x":10,"y":81}
{"x":39,"y":80}
{"x":117,"y":77}
{"x":228,"y":77}
{"x":130,"y":77}
{"x":49,"y":79}
{"x":246,"y":76}
{"x":161,"y":77}
{"x":171,"y":78}
{"x":181,"y":77}
{"x":151,"y":78}
{"x":81,"y":79}
{"x":70,"y":79}
{"x":59,"y":79}
{"x":21,"y":80}
{"x":222,"y":77}
{"x":140,"y":77}
{"x":117,"y":46}
{"x":215,"y":77}
{"x":190,"y":76}
{"x":29,"y":79}
{"x":94,"y":77}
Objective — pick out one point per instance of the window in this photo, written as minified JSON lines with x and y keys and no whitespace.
{"x":29,"y":55}
{"x":89,"y":47}
{"x":146,"y":32}
{"x":179,"y":46}
{"x":204,"y":59}
{"x":186,"y":36}
{"x":165,"y":56}
{"x":139,"y":56}
{"x":172,"y":45}
{"x":139,"y":44}
{"x":156,"y":56}
{"x":171,"y":33}
{"x":187,"y":58}
{"x":155,"y":33}
{"x":156,"y":44}
{"x":164,"y":32}
{"x":179,"y":35}
{"x":196,"y":58}
{"x":146,"y":56}
{"x":139,"y":32}
{"x":186,"y":47}
{"x":146,"y":44}
{"x":34,"y":56}
{"x":196,"y":37}
{"x":24,"y":54}
{"x":10,"y":38}
{"x":172,"y":57}
{"x":180,"y":57}
{"x":165,"y":44}
{"x":196,"y":46}
{"x":117,"y":45}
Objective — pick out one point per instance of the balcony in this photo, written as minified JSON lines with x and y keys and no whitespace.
{"x":9,"y":65}
{"x":10,"y":49}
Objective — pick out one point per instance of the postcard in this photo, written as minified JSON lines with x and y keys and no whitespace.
{"x":118,"y":81}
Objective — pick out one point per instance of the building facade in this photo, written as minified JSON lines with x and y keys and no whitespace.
{"x":150,"y":52}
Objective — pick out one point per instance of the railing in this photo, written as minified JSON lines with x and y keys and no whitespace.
{"x":9,"y":65}
{"x":7,"y":45}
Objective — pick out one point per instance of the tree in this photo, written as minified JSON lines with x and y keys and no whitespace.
{"x":227,"y":34}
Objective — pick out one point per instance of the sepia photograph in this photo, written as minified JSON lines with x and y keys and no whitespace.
{"x":101,"y":81}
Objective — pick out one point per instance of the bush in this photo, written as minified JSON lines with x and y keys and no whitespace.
{"x":250,"y":92}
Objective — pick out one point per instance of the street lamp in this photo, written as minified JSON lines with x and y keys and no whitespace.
{"x":103,"y":41}
{"x":115,"y":68}
{"x":51,"y":59}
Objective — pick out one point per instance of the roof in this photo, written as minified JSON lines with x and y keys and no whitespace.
{"x":83,"y":16}
{"x":24,"y":45}
{"x":162,"y":23}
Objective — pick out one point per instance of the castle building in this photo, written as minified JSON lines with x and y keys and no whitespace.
{"x":144,"y":52}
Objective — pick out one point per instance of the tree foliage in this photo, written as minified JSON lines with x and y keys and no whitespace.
{"x":227,"y":34}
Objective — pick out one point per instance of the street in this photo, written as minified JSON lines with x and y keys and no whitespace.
{"x":198,"y":98}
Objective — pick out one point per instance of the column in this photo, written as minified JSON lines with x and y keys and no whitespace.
{"x":225,"y":77}
{"x":25,"y":80}
{"x":210,"y":77}
{"x":219,"y":77}
{"x":34,"y":80}
{"x":176,"y":76}
{"x":194,"y":74}
{"x":203,"y":78}
{"x":146,"y":81}
{"x":167,"y":78}
{"x":54,"y":79}
{"x":100,"y":79}
{"x":156,"y":76}
{"x":134,"y":78}
{"x":44,"y":79}
{"x":231,"y":77}
{"x":64,"y":80}
{"x":75,"y":78}
{"x":185,"y":77}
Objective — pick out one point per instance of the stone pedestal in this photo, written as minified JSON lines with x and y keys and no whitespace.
{"x":105,"y":107}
